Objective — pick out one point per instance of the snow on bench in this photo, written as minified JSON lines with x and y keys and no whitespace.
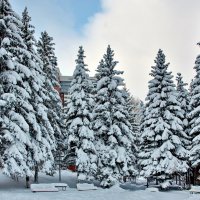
{"x":194,"y":189}
{"x":169,"y":185}
{"x":63,"y":186}
{"x":85,"y":186}
{"x":43,"y":188}
{"x":152,"y":189}
{"x":165,"y":185}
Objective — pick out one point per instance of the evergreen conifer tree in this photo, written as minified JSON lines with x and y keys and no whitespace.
{"x":194,"y":122}
{"x":55,"y":109}
{"x":132,"y":112}
{"x":135,"y":111}
{"x":114,"y":134}
{"x":46,"y":51}
{"x":79,"y":121}
{"x":184,"y":99}
{"x":41,"y":129}
{"x":162,"y":150}
{"x":15,"y":136}
{"x":6,"y":101}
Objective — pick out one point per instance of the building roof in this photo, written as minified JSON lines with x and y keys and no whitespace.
{"x":65,"y":82}
{"x":66,"y":78}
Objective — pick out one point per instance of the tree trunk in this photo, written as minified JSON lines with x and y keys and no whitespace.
{"x":147,"y":182}
{"x":194,"y":175}
{"x":189,"y":180}
{"x":27,"y":182}
{"x":36,"y":174}
{"x":156,"y":179}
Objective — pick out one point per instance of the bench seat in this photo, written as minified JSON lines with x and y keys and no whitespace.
{"x":63,"y":186}
{"x":195,"y":189}
{"x":152,"y":189}
{"x":43,"y":188}
{"x":86,"y":186}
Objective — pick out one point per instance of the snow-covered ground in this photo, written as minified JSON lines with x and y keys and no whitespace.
{"x":11,"y":190}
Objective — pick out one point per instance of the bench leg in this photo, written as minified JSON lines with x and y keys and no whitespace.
{"x":63,"y":188}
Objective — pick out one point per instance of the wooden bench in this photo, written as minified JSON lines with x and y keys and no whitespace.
{"x":43,"y":188}
{"x":194,"y":189}
{"x":63,"y":186}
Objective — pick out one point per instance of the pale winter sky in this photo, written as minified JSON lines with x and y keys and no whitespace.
{"x":135,"y":29}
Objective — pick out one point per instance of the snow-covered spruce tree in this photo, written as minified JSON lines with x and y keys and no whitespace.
{"x":15,"y":136}
{"x":114,"y":134}
{"x":184,"y":99}
{"x":133,"y":117}
{"x":79,"y":121}
{"x":129,"y":104}
{"x":46,"y":51}
{"x":5,"y":104}
{"x":55,"y":109}
{"x":162,"y":150}
{"x":135,"y":111}
{"x":194,"y":120}
{"x":41,"y":129}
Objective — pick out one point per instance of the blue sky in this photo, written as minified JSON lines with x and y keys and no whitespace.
{"x":64,"y":13}
{"x":135,"y":29}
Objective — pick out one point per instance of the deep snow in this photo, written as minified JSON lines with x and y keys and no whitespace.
{"x":12,"y":190}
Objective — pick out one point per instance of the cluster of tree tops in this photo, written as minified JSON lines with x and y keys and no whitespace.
{"x":170,"y":127}
{"x":101,"y":124}
{"x":33,"y":126}
{"x":31,"y":117}
{"x":112,"y":134}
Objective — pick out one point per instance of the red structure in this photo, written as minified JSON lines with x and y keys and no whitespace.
{"x":71,"y":168}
